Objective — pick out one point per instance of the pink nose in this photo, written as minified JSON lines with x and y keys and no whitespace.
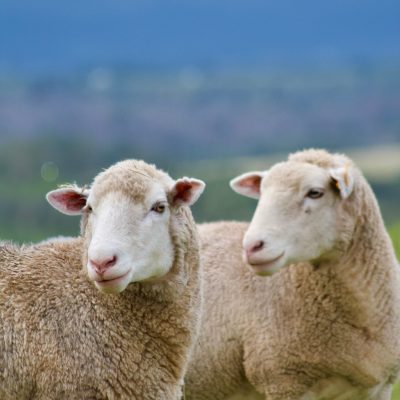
{"x":101,"y":266}
{"x":254,"y":248}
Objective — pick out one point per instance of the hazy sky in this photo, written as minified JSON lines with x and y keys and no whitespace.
{"x":51,"y":36}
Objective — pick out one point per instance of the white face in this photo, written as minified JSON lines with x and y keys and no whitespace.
{"x":296,"y":219}
{"x":127,"y":240}
{"x":135,"y":236}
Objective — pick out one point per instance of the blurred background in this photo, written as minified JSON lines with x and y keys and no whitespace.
{"x":208,"y":88}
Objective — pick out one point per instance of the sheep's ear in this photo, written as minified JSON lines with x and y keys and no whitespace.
{"x":186,"y":191}
{"x":343,"y":179}
{"x":68,"y":200}
{"x":248,"y":184}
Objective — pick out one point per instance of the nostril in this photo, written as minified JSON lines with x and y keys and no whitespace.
{"x":101,"y":266}
{"x":257,"y":246}
{"x":111,"y":262}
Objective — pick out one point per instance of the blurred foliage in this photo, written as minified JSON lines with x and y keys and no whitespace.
{"x":31,"y":168}
{"x":395,"y":235}
{"x":396,"y":392}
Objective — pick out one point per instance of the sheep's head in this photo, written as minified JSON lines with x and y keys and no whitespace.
{"x":303,"y":213}
{"x":126,"y":221}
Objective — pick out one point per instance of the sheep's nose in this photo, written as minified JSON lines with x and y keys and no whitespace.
{"x":101,"y":266}
{"x":254,"y":247}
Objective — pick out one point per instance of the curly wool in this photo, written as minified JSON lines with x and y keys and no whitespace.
{"x":60,"y":338}
{"x":306,"y":329}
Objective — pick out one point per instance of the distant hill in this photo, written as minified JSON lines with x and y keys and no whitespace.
{"x":46,"y":36}
{"x":195,"y":114}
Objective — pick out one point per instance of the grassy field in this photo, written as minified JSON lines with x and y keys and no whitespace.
{"x":25,"y":215}
{"x":396,"y":393}
{"x":395,"y":235}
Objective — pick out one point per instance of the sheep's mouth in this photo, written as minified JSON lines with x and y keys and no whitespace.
{"x":267,"y":267}
{"x":111,"y":281}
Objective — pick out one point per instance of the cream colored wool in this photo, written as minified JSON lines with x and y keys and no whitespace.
{"x":326,"y":330}
{"x":61,"y":338}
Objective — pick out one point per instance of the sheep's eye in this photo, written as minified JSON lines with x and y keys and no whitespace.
{"x":315,"y":193}
{"x":88,"y":208}
{"x":158,"y":208}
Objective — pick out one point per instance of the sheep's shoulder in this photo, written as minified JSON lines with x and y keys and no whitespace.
{"x":36,"y":268}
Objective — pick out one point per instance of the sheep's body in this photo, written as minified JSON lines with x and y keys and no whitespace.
{"x":309,"y":332}
{"x":216,"y":368}
{"x":286,"y":333}
{"x":61,"y":338}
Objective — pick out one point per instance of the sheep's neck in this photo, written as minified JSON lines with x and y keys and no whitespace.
{"x":369,"y":269}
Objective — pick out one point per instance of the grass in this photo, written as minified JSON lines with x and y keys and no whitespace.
{"x":396,"y":392}
{"x":395,"y":235}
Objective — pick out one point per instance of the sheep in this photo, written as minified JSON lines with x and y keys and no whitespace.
{"x":325,"y":322}
{"x":113,"y":313}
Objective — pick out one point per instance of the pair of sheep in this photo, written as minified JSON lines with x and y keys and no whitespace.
{"x":324,"y":327}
